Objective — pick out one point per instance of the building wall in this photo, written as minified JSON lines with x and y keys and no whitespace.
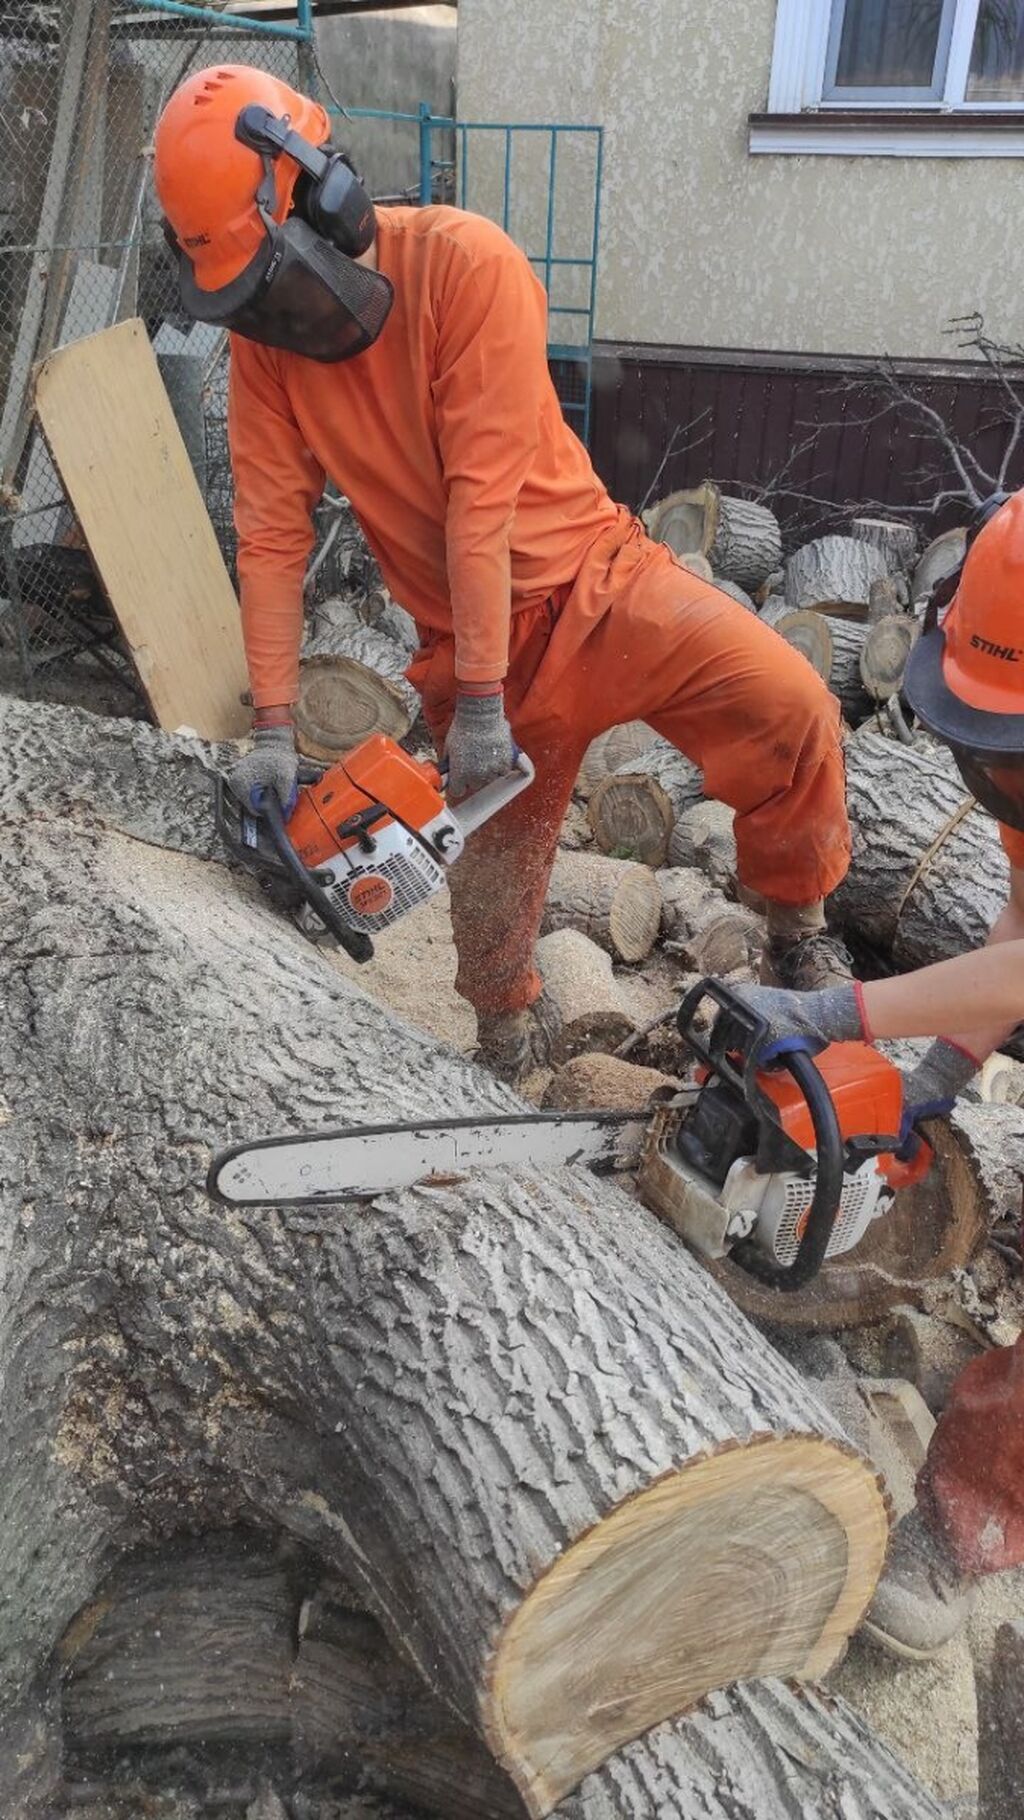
{"x":703,"y":245}
{"x":391,"y":61}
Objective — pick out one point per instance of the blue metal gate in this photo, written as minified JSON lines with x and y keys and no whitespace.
{"x":563,"y":244}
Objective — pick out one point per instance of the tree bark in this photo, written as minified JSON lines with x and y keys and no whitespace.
{"x":351,"y":684}
{"x":351,"y":1710}
{"x":913,"y":904}
{"x":703,"y":838}
{"x":632,"y":812}
{"x":614,"y":902}
{"x":834,"y":575}
{"x":893,"y":538}
{"x":574,"y":1483}
{"x":844,"y":679}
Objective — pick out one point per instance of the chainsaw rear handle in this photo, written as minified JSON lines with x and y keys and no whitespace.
{"x":474,"y":810}
{"x":739,"y":1031}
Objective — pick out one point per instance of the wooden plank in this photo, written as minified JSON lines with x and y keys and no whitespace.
{"x":120,"y":454}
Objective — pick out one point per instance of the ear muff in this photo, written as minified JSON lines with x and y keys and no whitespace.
{"x":338,"y":207}
{"x":329,"y":195}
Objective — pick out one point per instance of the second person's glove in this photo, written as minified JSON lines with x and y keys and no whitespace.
{"x":479,"y":746}
{"x":805,"y":1020}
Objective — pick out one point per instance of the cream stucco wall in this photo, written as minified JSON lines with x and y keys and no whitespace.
{"x":704,"y":245}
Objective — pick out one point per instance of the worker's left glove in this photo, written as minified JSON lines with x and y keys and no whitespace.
{"x":807,"y":1021}
{"x":479,"y":746}
{"x":930,"y":1089}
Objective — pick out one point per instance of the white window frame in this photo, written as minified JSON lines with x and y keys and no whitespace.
{"x":800,"y":58}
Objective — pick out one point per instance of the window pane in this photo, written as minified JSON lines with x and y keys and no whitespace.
{"x":889,"y":44}
{"x":997,"y":61}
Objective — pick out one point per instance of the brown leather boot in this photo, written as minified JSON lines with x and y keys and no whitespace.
{"x":513,"y":1043}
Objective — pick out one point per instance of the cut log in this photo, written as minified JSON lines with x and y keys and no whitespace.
{"x":1001,"y":1081}
{"x":633,"y":812}
{"x":834,"y":575}
{"x":808,"y":632}
{"x":884,"y":653}
{"x":378,"y":610}
{"x":351,"y":684}
{"x":892,"y":537}
{"x":735,"y":592}
{"x":942,"y":556}
{"x":578,"y":1535}
{"x":617,"y":904}
{"x":703,"y":838}
{"x":844,"y":678}
{"x":358,"y":1717}
{"x":614,"y":751}
{"x":578,"y":979}
{"x":604,"y":1081}
{"x":741,"y":540}
{"x":928,"y":876}
{"x":708,"y":934}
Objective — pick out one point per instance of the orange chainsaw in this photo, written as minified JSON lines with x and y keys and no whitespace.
{"x":368,"y":840}
{"x":779,"y":1168}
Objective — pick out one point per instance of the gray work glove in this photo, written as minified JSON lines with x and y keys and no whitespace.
{"x":479,"y":746}
{"x":806,"y":1021}
{"x":930,"y":1089}
{"x":273,"y":764}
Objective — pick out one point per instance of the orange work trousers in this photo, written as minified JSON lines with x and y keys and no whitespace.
{"x":637,"y":637}
{"x":972,"y":1483}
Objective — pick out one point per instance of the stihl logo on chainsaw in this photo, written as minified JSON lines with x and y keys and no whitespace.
{"x":370,"y":895}
{"x":1009,"y":654}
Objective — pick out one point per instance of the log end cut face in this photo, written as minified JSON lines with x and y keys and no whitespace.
{"x":637,"y":1621}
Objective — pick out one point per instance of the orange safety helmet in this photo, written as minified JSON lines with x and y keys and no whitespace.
{"x":206,"y":179}
{"x":965,"y":679}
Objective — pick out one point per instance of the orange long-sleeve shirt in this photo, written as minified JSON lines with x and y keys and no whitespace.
{"x":446,"y":436}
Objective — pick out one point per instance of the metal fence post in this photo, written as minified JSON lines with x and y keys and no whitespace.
{"x":426,"y":154}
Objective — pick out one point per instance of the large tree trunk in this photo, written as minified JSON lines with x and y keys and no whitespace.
{"x":926,"y":881}
{"x":844,"y":679}
{"x":229,"y":1643}
{"x":572,"y":1480}
{"x":894,"y":538}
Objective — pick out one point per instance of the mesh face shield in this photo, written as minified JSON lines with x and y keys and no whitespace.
{"x":997,"y":783}
{"x":299,"y":294}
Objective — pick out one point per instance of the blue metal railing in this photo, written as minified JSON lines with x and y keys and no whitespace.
{"x":566,"y":353}
{"x":302,"y":30}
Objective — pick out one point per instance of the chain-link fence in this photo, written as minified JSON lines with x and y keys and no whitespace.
{"x":82,"y":83}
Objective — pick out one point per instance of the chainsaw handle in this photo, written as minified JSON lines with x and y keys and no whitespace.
{"x":828,"y":1185}
{"x":354,"y":942}
{"x":471,"y":813}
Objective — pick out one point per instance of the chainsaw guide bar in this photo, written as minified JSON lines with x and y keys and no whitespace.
{"x":360,"y":1161}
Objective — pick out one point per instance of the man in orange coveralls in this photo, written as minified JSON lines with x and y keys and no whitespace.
{"x":965,"y":682}
{"x":404,"y":353}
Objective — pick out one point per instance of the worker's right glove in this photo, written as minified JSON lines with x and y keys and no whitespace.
{"x":273,"y":764}
{"x":807,"y":1021}
{"x":479,"y":747}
